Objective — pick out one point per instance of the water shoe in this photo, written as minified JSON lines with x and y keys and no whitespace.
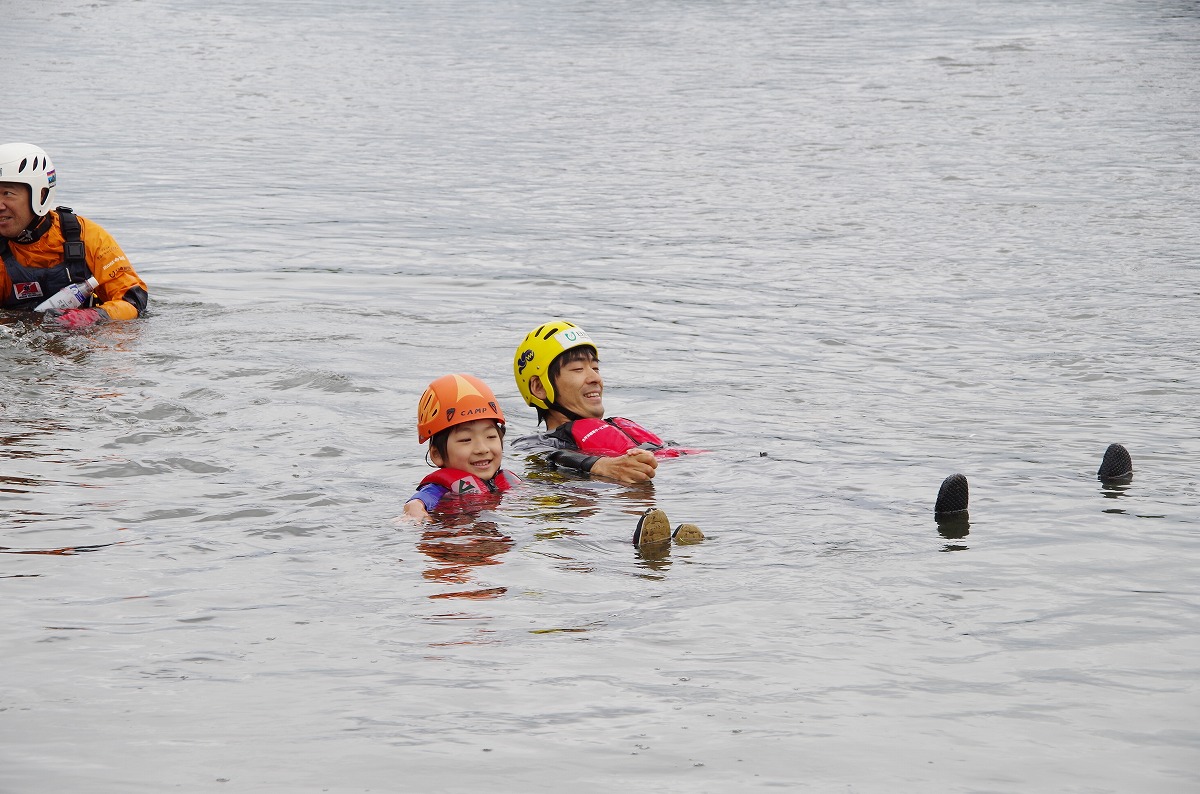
{"x":687,"y":533}
{"x":653,"y":528}
{"x":952,"y":496}
{"x":1117,"y":465}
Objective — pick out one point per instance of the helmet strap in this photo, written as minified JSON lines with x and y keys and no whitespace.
{"x":567,"y":412}
{"x":34,"y":231}
{"x":554,"y":405}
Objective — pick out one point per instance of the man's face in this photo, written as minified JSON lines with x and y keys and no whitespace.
{"x":580,"y":389}
{"x":15,"y":210}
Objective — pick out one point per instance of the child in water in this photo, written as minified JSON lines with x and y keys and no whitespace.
{"x":459,"y":416}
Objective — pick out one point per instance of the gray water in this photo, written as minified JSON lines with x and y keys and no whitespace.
{"x":850,"y":248}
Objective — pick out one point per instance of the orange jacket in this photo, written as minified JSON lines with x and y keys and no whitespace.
{"x":105,"y":259}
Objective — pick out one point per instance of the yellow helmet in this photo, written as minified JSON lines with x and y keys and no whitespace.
{"x":539,"y":348}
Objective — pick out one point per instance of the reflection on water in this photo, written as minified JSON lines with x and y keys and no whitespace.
{"x":560,"y":507}
{"x":482,"y":594}
{"x":655,"y":558}
{"x":460,"y":543}
{"x":1113,"y":491}
{"x":954,"y":528}
{"x":66,"y":550}
{"x":1116,"y":490}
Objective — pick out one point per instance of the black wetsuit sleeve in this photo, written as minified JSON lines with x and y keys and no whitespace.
{"x":566,"y":459}
{"x":556,"y":450}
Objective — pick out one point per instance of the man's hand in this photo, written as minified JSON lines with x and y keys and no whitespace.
{"x":636,"y":465}
{"x":75,"y":318}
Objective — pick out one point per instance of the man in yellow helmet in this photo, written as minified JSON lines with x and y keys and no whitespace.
{"x":45,"y":250}
{"x":557,"y":369}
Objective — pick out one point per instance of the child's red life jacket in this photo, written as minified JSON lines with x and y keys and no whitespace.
{"x":460,"y":482}
{"x":616,"y":436}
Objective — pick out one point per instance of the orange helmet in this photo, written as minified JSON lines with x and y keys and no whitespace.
{"x":452,"y":400}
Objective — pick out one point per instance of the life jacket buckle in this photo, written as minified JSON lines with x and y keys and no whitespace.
{"x":74,"y":251}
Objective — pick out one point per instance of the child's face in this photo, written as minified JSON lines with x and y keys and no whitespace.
{"x":474,"y":447}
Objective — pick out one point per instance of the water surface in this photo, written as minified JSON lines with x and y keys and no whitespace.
{"x":849,"y":250}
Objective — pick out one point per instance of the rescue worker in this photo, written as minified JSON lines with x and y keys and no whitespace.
{"x":47,"y":249}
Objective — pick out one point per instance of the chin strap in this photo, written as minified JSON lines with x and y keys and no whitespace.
{"x":34,"y":231}
{"x":567,"y":412}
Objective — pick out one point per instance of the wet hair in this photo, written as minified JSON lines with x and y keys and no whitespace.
{"x":578,"y":353}
{"x":441,"y":439}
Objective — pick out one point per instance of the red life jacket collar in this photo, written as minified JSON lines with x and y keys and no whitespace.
{"x":457,"y":481}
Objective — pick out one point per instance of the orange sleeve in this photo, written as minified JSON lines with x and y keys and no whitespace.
{"x":119,"y":310}
{"x":112,"y":270}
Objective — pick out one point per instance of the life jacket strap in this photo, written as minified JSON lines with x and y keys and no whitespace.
{"x":74,"y":252}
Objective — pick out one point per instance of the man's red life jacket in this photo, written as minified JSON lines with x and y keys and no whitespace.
{"x":616,"y":436}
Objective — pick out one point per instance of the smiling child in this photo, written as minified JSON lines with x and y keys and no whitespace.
{"x":459,"y":416}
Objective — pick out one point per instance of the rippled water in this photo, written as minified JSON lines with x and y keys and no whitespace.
{"x":849,"y":248}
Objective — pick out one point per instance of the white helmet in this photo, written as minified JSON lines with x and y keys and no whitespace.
{"x":27,"y":164}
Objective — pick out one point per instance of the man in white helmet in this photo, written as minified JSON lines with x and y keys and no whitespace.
{"x":44,"y":249}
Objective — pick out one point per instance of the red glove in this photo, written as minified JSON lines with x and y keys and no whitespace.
{"x":76,"y":318}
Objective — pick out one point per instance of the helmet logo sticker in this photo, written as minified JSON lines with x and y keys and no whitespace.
{"x":525,"y":358}
{"x":572,"y":336}
{"x":449,"y":414}
{"x":51,"y":178}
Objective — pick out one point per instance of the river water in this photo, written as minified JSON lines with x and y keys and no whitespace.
{"x":849,"y":248}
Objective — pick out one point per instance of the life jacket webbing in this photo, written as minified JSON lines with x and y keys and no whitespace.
{"x":74,"y":252}
{"x":32,"y":285}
